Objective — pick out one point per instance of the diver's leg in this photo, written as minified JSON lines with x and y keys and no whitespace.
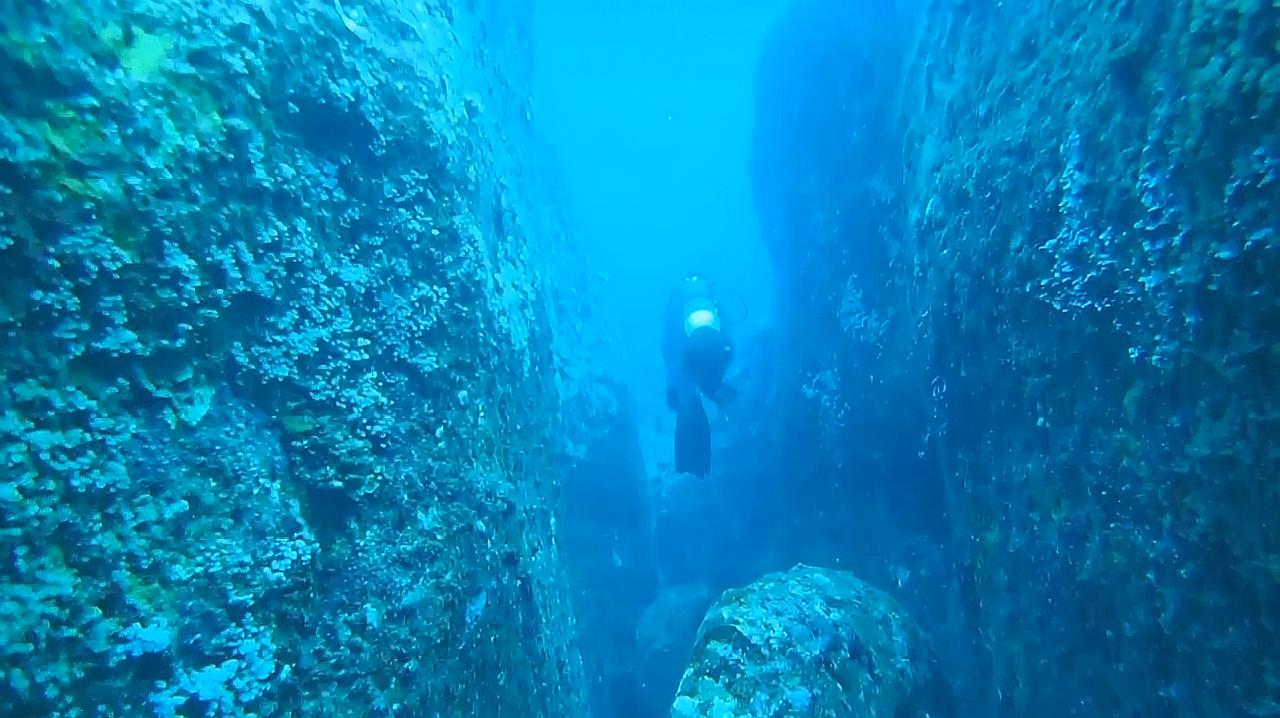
{"x":711,"y":384}
{"x":693,"y":435}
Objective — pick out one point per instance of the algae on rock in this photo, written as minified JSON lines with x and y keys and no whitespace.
{"x":280,"y":389}
{"x":808,"y":642}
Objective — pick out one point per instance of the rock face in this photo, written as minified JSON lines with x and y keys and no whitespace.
{"x":280,"y":365}
{"x":806,"y":642}
{"x":1031,"y":267}
{"x":1093,"y":259}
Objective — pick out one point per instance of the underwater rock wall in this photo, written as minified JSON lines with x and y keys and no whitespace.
{"x":851,"y":410}
{"x":283,"y":370}
{"x":607,"y":549}
{"x":1094,"y":225}
{"x":1078,"y":271}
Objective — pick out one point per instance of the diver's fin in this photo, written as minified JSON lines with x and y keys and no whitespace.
{"x":693,"y":436}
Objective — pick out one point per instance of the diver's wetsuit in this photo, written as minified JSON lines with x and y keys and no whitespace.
{"x":697,"y":350}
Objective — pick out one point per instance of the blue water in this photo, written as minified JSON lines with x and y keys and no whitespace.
{"x":648,"y":107}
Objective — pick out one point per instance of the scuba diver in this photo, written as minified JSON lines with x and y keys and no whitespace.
{"x":697,"y":350}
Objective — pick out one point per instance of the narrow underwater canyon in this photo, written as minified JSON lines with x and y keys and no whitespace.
{"x":332,"y":382}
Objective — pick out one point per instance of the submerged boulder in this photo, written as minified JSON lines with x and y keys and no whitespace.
{"x":807,"y":642}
